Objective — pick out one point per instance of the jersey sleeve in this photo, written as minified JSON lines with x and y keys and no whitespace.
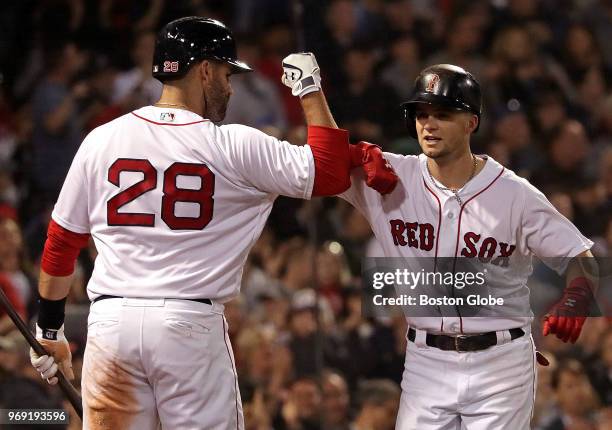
{"x":548,"y":234}
{"x":269,"y":164}
{"x":71,"y":209}
{"x":358,"y":193}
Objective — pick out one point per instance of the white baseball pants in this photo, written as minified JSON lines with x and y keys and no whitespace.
{"x":159,"y":363}
{"x":493,"y":389}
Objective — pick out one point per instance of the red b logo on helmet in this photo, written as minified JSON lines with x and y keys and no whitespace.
{"x":433,"y":81}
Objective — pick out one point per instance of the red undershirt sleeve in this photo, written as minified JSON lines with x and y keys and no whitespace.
{"x":61,"y":250}
{"x":330,"y":149}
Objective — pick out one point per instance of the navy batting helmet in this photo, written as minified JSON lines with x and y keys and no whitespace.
{"x":444,"y":85}
{"x":186,"y":41}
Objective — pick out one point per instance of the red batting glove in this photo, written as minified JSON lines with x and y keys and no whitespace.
{"x":567,"y":316}
{"x":378,"y":172}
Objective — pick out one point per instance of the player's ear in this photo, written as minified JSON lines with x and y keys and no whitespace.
{"x":205,"y":71}
{"x":472,"y":124}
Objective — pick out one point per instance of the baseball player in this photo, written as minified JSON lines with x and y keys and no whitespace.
{"x":174,"y":203}
{"x":470,"y":373}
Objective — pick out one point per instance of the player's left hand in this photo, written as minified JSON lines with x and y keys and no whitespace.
{"x":566,"y":317}
{"x":379,"y":173}
{"x":301,"y":73}
{"x":59,"y":357}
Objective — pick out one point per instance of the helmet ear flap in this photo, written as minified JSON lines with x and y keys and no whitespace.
{"x":406,"y":113}
{"x":409,"y":119}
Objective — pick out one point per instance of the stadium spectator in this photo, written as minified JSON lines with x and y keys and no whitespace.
{"x":255,"y":101}
{"x":404,"y":65}
{"x":575,"y":396}
{"x":598,"y":16}
{"x":337,"y":34}
{"x":6,"y":324}
{"x":363,"y":105}
{"x":601,"y":370}
{"x":463,"y":39}
{"x":336,"y":401}
{"x":519,"y":67}
{"x":513,"y":142}
{"x":13,"y":261}
{"x":58,"y":120}
{"x":568,"y":147}
{"x":379,"y":402}
{"x":302,"y":408}
{"x":136,"y":87}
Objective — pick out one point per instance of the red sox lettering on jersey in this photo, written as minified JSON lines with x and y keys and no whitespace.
{"x":421,"y":236}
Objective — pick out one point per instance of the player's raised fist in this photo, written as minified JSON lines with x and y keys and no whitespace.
{"x":301,"y":73}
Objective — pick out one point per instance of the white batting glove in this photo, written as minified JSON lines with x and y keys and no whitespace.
{"x":57,"y":346}
{"x":301,"y":73}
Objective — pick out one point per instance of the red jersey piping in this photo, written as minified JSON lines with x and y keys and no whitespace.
{"x":437,"y":237}
{"x":165,"y":123}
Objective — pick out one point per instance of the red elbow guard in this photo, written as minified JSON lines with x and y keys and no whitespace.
{"x":330,"y":149}
{"x":61,"y":250}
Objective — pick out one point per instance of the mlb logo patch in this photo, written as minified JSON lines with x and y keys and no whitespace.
{"x":167,"y":116}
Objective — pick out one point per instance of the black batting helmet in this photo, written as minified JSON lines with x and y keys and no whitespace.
{"x":444,"y":85}
{"x":186,"y":41}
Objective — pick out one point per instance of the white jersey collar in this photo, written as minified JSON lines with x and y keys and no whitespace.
{"x":168,"y":115}
{"x":483,"y":179}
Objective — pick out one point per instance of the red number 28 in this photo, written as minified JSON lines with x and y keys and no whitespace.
{"x":172,"y":194}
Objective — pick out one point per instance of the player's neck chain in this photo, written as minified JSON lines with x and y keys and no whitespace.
{"x":455,"y":191}
{"x":178,"y":105}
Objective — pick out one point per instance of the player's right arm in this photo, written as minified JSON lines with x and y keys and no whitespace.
{"x":301,"y":74}
{"x":67,"y":234}
{"x":329,"y":144}
{"x":56,"y":276}
{"x":319,"y":168}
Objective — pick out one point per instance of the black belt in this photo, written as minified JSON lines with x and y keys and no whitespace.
{"x":105,"y":296}
{"x":464,"y":343}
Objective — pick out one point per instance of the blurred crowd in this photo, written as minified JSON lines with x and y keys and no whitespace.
{"x":308,"y":358}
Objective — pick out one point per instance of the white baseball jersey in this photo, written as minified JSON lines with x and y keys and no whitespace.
{"x":502,"y":220}
{"x":174,"y":203}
